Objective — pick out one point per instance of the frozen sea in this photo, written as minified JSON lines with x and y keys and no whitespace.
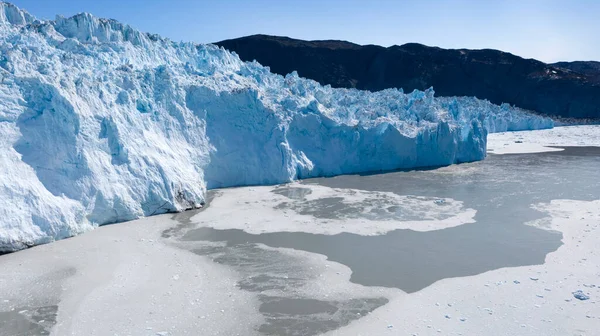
{"x":501,"y":189}
{"x":459,"y":249}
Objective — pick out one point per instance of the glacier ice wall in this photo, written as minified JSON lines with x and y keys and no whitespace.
{"x":100,"y":123}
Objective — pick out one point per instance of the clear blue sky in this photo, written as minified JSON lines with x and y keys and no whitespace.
{"x":549,"y":30}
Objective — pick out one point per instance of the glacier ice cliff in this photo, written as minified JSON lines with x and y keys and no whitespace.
{"x":100,"y":123}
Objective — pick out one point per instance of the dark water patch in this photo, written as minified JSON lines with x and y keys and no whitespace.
{"x":279,"y":280}
{"x":295,"y":193}
{"x":399,"y":170}
{"x":406,"y":259}
{"x":373,"y":206}
{"x":28,"y":321}
{"x":577,"y":151}
{"x":184,"y":218}
{"x":265,"y":282}
{"x":30,"y":306}
{"x":312,"y":317}
{"x":288,"y":306}
{"x":381,"y":207}
{"x":502,"y":186}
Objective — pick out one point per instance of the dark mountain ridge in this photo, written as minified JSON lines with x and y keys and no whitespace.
{"x":565,"y":89}
{"x":591,"y":69}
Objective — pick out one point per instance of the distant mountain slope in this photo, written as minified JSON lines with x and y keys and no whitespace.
{"x":586,"y":68}
{"x":563,"y":89}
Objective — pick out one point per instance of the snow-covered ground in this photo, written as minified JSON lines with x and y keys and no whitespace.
{"x":541,"y":140}
{"x":122,"y":280}
{"x":101,"y":123}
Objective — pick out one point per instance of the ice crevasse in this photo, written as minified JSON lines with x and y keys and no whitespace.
{"x":100,"y":123}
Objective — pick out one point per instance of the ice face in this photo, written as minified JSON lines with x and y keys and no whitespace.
{"x":11,"y":14}
{"x":100,"y":123}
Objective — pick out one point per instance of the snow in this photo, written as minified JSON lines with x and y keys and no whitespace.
{"x":120,"y":280}
{"x":101,"y":123}
{"x":539,"y":141}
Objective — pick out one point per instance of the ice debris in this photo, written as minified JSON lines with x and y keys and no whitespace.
{"x":580,"y":295}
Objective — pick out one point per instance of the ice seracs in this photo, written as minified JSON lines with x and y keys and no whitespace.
{"x":100,"y":123}
{"x":11,"y":14}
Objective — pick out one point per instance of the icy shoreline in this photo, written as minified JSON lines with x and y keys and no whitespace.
{"x":544,"y":140}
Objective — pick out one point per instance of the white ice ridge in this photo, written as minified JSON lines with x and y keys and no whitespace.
{"x":100,"y":123}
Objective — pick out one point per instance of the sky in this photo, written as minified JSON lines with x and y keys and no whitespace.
{"x":548,"y":30}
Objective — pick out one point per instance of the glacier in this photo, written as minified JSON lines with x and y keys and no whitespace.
{"x":101,"y":123}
